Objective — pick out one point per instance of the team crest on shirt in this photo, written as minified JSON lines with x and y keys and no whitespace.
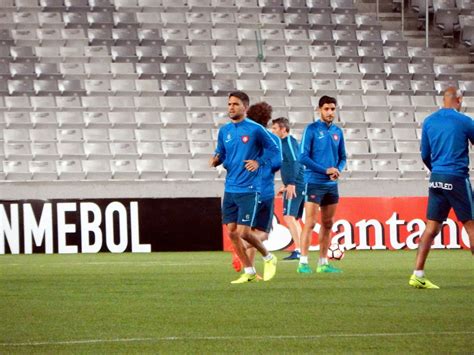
{"x":245,"y":139}
{"x":335,"y":136}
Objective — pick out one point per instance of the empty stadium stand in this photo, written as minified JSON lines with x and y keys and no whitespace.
{"x":99,"y":90}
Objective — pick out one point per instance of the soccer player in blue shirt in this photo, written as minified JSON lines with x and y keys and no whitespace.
{"x":445,"y":151}
{"x":243,"y":147}
{"x":292,"y":175}
{"x":261,"y":113}
{"x":324,"y":155}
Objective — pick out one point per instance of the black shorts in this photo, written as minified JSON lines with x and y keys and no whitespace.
{"x":322,"y":194}
{"x":446,"y":192}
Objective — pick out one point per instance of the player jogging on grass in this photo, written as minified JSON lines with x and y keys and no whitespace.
{"x":261,"y":113}
{"x":243,"y":147}
{"x":324,"y":155}
{"x":445,"y":151}
{"x":292,"y":175}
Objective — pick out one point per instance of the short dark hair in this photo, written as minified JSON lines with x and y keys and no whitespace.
{"x":282,"y":122}
{"x":260,"y":112}
{"x":327,"y":100}
{"x":242,"y":96}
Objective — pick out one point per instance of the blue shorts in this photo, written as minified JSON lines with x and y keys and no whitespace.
{"x":263,"y":221}
{"x":240,"y":208}
{"x":446,"y":192}
{"x":322,"y":194}
{"x":295,"y":206}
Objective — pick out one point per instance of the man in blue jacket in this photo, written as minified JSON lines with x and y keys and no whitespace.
{"x":261,"y":113}
{"x":445,"y":151}
{"x":324,"y":155}
{"x":243,"y":146}
{"x":292,"y":175}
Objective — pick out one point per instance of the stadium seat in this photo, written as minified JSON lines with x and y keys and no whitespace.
{"x":124,"y":170}
{"x":42,"y":170}
{"x":97,"y":169}
{"x":177,"y":169}
{"x":16,"y":170}
{"x":69,"y":170}
{"x":200,"y":169}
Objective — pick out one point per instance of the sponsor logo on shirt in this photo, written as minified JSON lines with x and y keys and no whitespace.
{"x":228,"y":138}
{"x":245,"y":139}
{"x":335,"y":136}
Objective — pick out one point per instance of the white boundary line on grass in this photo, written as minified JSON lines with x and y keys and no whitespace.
{"x":245,"y":337}
{"x":136,"y":263}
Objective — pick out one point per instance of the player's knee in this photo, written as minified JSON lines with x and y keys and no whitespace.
{"x":310,"y":223}
{"x":327,"y":223}
{"x":289,"y":219}
{"x":234,"y":235}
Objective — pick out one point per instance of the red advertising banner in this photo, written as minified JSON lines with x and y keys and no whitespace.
{"x":373,"y":223}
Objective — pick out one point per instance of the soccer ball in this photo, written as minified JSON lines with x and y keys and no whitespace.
{"x":336,"y":251}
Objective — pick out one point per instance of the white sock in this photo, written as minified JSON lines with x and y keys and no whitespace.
{"x":250,"y":270}
{"x":298,"y":250}
{"x":419,"y":273}
{"x":269,"y":256}
{"x":323,"y":261}
{"x":303,"y":259}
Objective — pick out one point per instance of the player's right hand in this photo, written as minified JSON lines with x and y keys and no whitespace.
{"x":332,"y":171}
{"x":290,"y":192}
{"x":214,"y":161}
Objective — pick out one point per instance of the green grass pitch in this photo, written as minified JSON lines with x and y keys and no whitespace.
{"x":184,"y":303}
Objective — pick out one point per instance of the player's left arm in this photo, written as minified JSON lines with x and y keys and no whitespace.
{"x":425,"y":147}
{"x":219,"y":154}
{"x":342,"y":154}
{"x":470,"y":130}
{"x":272,"y":153}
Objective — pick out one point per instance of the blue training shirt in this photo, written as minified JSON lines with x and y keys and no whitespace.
{"x":322,"y":147}
{"x":445,"y":142}
{"x":292,"y":172}
{"x":241,"y":141}
{"x":267,"y":174}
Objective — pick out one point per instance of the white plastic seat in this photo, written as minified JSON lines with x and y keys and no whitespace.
{"x":401,"y":117}
{"x":385,"y":165}
{"x":177,"y":169}
{"x":121,"y":135}
{"x":200,"y":169}
{"x":351,"y":116}
{"x":17,"y":150}
{"x":173,"y":134}
{"x":149,"y":149}
{"x":408,"y":146}
{"x":124,"y":169}
{"x":175,"y":148}
{"x":71,"y":150}
{"x":97,"y":150}
{"x":69,"y":170}
{"x":174,"y":118}
{"x":359,"y":147}
{"x":201,"y":148}
{"x":43,"y":170}
{"x":44,"y":150}
{"x":150,"y":169}
{"x":69,"y":135}
{"x":97,"y":169}
{"x":16,"y":170}
{"x":95,"y":119}
{"x":199,"y":118}
{"x":382,"y":146}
